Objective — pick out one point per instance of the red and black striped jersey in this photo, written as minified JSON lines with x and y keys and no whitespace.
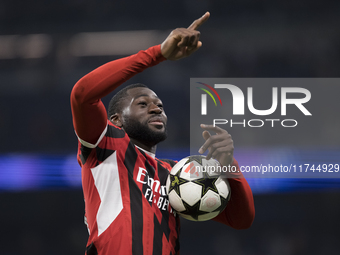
{"x":127,"y":209}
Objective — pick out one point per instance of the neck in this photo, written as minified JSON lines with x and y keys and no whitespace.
{"x":149,"y":148}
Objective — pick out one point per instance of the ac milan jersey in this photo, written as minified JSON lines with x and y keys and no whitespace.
{"x":127,"y":209}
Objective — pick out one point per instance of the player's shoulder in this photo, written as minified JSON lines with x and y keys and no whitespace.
{"x":114,"y":131}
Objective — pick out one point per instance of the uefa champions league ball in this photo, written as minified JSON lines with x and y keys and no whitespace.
{"x":196,"y":190}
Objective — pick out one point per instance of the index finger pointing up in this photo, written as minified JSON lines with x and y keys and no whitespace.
{"x":198,"y":22}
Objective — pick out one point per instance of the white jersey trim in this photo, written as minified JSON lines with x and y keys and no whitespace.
{"x":152,"y":155}
{"x":106,"y":180}
{"x":90,"y":145}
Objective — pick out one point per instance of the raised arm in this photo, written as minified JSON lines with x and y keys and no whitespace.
{"x":88,"y":111}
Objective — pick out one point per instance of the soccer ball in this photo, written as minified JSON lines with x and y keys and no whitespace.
{"x":195,"y":189}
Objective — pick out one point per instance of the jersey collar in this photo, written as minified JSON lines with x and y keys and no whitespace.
{"x":147,"y":152}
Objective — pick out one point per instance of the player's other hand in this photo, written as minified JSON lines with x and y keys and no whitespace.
{"x":220,"y":146}
{"x":182,"y":42}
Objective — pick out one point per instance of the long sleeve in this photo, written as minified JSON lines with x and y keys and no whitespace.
{"x":240,"y":210}
{"x":89,"y":113}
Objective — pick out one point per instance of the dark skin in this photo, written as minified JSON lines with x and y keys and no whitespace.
{"x":144,"y":106}
{"x":182,"y":42}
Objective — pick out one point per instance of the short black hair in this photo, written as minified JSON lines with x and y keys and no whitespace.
{"x":115,"y":105}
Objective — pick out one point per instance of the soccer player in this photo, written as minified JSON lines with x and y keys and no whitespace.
{"x":126,"y":207}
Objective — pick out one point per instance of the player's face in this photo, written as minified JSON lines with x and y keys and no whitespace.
{"x":144,"y":118}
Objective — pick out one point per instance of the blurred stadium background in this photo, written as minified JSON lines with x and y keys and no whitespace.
{"x":46,"y":46}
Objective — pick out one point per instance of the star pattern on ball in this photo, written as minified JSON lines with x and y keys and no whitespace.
{"x":207,"y":183}
{"x":175,"y":182}
{"x":193,"y":211}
